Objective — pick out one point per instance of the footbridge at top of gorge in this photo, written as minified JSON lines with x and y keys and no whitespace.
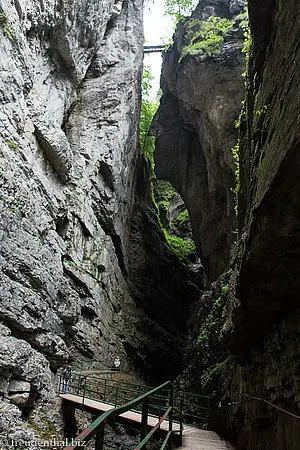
{"x":154,"y":48}
{"x":161,"y":410}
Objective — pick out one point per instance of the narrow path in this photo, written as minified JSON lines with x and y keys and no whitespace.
{"x":130,"y":415}
{"x":196,"y":439}
{"x":193,"y":438}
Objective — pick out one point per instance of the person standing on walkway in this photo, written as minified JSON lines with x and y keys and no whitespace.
{"x":117,"y":364}
{"x":66,"y":379}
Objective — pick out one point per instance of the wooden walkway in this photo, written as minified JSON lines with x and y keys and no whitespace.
{"x":193,"y":438}
{"x":196,"y":439}
{"x":129,"y":415}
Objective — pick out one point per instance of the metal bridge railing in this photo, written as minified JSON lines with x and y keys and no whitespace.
{"x":195,"y":408}
{"x":106,"y":368}
{"x":144,"y":402}
{"x":125,"y":367}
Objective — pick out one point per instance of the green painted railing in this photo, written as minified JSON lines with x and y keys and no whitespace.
{"x":195,"y":408}
{"x":101,"y":367}
{"x":97,"y":428}
{"x":125,"y":367}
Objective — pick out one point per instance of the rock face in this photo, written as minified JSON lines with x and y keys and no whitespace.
{"x":155,"y":280}
{"x":69,"y":187}
{"x":268,"y":206}
{"x":258,"y":385}
{"x":263,"y":330}
{"x":195,"y":132}
{"x":25,"y":379}
{"x":69,"y":135}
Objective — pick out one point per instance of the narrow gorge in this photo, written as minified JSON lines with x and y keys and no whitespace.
{"x":184,"y":263}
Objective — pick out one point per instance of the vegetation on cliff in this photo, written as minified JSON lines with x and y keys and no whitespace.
{"x":177,"y":231}
{"x":148,"y":109}
{"x":204,"y":37}
{"x":179,"y":8}
{"x":242,"y":120}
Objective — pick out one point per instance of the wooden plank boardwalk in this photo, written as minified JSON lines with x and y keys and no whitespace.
{"x":193,"y":438}
{"x":129,"y":415}
{"x":196,"y":439}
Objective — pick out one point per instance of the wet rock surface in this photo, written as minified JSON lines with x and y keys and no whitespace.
{"x":262,"y":330}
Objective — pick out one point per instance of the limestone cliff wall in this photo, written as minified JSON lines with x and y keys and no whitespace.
{"x":195,"y":132}
{"x":256,"y":377}
{"x":71,"y":194}
{"x":263,"y":330}
{"x":69,"y":135}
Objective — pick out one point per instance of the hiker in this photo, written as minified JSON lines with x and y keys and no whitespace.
{"x":66,"y":379}
{"x":117,"y":364}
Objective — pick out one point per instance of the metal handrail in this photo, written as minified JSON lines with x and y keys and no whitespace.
{"x":98,"y":366}
{"x":195,"y":407}
{"x":155,"y":428}
{"x":97,"y":427}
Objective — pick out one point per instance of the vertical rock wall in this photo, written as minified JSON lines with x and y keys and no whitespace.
{"x":71,"y":190}
{"x":195,"y":132}
{"x":263,"y":330}
{"x":69,"y":136}
{"x":258,"y":388}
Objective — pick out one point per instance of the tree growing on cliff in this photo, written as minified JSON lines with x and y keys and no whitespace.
{"x":179,"y":8}
{"x":148,"y":109}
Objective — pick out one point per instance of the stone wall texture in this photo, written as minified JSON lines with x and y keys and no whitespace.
{"x":74,"y":193}
{"x":263,"y":326}
{"x":194,"y":129}
{"x":195,"y":133}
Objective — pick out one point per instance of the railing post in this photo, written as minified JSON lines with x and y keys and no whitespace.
{"x":83,"y":393}
{"x":116,"y":396}
{"x":171,"y":414}
{"x":144,"y":423}
{"x":105,"y":387}
{"x":181,"y":418}
{"x":171,"y":405}
{"x":159,"y":405}
{"x":100,"y":438}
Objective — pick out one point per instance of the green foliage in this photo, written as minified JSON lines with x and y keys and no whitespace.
{"x":236,"y":157}
{"x":12,"y":144}
{"x":243,"y":22}
{"x":181,"y":247}
{"x":182,"y":223}
{"x":46,"y":431}
{"x":183,"y":217}
{"x":146,"y":82}
{"x":210,"y":330}
{"x":240,"y":124}
{"x":178,"y":9}
{"x":211,"y":372}
{"x":209,"y":349}
{"x":262,"y":111}
{"x":163,"y":193}
{"x":148,"y":109}
{"x":5,"y":26}
{"x":206,"y":36}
